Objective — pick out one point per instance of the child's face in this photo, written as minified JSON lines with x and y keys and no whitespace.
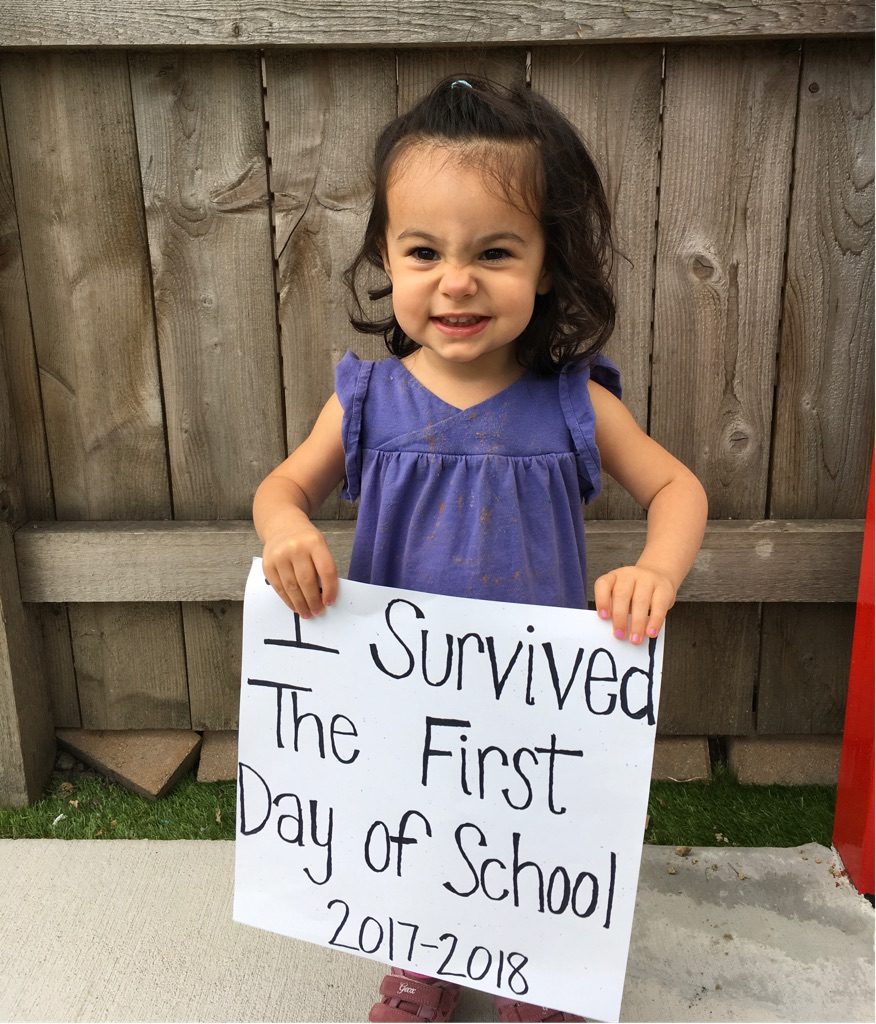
{"x":465,"y":263}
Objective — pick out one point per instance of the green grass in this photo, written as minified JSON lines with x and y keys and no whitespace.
{"x":722,"y":812}
{"x":94,"y":808}
{"x":717,"y":813}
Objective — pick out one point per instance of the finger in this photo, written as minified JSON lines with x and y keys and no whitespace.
{"x":273,"y":577}
{"x":328,"y":576}
{"x":660,"y":604}
{"x":621,"y":597}
{"x":639,"y":610}
{"x":308,"y":583}
{"x":294,"y":594}
{"x":602,"y":594}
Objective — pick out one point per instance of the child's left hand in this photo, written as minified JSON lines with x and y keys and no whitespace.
{"x":637,"y":593}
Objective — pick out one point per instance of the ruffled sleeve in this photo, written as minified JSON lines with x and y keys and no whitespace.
{"x":351,"y":386}
{"x":581,"y":419}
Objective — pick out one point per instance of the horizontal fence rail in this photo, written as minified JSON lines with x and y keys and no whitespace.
{"x":376,"y":23}
{"x":206,"y":561}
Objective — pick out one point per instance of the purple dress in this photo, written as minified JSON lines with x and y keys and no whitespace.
{"x":483,"y":502}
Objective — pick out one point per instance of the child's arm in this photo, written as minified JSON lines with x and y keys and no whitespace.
{"x":297,"y":560}
{"x":677,"y":510}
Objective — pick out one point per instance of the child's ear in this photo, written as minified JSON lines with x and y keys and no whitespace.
{"x":386,"y":269}
{"x":545,"y":282}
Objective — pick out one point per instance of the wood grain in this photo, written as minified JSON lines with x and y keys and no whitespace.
{"x":27,"y":738}
{"x":374,"y":23}
{"x":708,"y":684}
{"x":130,"y":666}
{"x":799,"y":560}
{"x":320,"y":141}
{"x":77,"y":191}
{"x":201,"y":145}
{"x":25,"y":479}
{"x":804,"y":668}
{"x":720,"y":262}
{"x":728,"y":124}
{"x":824,"y":399}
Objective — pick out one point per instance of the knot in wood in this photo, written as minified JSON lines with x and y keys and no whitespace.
{"x":702,"y":267}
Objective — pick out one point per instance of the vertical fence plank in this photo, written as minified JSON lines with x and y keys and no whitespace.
{"x":612,"y":95}
{"x":824,"y":405}
{"x":26,"y":486}
{"x":201,"y":142}
{"x":727,"y":143}
{"x":324,"y":110}
{"x":77,"y":193}
{"x":27,"y":741}
{"x":33,"y":481}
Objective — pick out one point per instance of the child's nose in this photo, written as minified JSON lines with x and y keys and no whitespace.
{"x":458,"y":281}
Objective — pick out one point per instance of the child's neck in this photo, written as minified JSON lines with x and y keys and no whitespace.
{"x":464,"y":385}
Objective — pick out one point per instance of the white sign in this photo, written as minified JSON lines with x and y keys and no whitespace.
{"x":456,"y":787}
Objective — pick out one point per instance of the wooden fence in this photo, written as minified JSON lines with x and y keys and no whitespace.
{"x":179,"y":196}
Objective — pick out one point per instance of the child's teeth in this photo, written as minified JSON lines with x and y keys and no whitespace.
{"x":460,"y":319}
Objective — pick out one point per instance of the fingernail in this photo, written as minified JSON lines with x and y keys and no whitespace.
{"x":652,"y":631}
{"x":619,"y":633}
{"x":603,"y":613}
{"x":635,"y":638}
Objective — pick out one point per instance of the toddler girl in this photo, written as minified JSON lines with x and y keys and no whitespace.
{"x":472,"y":447}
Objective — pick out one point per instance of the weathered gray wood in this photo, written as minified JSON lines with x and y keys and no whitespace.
{"x":26,"y":486}
{"x":719,"y":263}
{"x":804,"y":668}
{"x":201,"y":144}
{"x":824,"y":400}
{"x":130,"y":666}
{"x":60,"y":23}
{"x":612,"y":95}
{"x":77,"y":189}
{"x":26,"y":733}
{"x":27,"y":738}
{"x":25,"y":481}
{"x":213,"y":663}
{"x":707,"y":683}
{"x":728,"y":128}
{"x":324,"y":112}
{"x":189,"y":561}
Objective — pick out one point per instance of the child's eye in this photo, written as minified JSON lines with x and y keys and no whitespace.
{"x":495,"y":254}
{"x":423,"y":253}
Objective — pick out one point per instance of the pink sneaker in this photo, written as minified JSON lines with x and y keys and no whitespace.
{"x":406,"y":998}
{"x":515,"y":1012}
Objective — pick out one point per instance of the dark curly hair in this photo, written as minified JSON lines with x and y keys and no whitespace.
{"x":535,"y":156}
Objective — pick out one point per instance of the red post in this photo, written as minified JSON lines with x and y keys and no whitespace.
{"x":853,"y":823}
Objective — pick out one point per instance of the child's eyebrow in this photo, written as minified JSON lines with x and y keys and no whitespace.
{"x":483,"y":240}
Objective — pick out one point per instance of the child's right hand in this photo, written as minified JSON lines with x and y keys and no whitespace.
{"x":296,"y":559}
{"x":299,"y":566}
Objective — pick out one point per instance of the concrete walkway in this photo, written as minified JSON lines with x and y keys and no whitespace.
{"x":142,"y":931}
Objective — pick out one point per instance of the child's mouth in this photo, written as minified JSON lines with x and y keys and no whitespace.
{"x":460,"y":326}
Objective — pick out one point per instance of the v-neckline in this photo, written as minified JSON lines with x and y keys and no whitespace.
{"x":450,"y":405}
